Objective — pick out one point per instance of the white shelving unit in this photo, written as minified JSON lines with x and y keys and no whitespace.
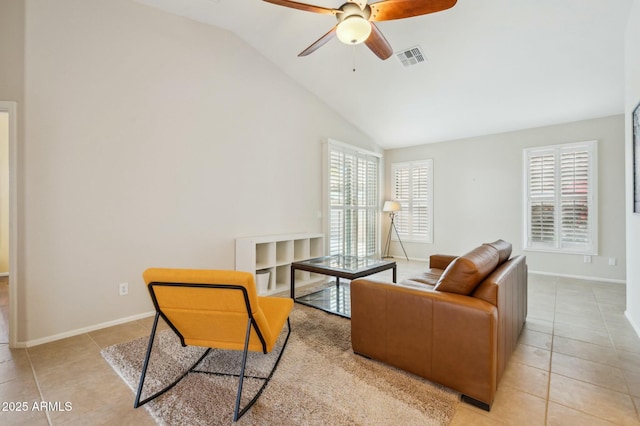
{"x":275,"y":253}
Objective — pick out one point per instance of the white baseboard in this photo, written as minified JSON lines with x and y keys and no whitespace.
{"x":4,"y":274}
{"x":580,"y":277}
{"x":636,"y":327}
{"x":66,"y":334}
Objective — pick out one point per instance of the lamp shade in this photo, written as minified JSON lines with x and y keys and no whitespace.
{"x":391,"y":206}
{"x":353,"y":30}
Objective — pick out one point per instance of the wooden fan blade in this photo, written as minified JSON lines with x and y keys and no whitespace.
{"x":387,"y":10}
{"x":305,"y":7}
{"x":378,"y":44}
{"x":320,"y":42}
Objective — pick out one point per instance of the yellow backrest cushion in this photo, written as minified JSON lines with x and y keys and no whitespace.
{"x":205,"y":316}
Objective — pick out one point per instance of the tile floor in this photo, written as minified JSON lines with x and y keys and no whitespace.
{"x":578,"y":362}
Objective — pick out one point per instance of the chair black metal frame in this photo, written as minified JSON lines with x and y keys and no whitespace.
{"x":237,"y":413}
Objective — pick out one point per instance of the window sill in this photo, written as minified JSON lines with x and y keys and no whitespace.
{"x":560,"y":251}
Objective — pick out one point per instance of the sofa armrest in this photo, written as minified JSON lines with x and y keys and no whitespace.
{"x":445,"y":337}
{"x":440,"y":261}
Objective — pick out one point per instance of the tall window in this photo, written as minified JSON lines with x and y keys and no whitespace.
{"x":413,"y":189}
{"x":560,"y":190}
{"x":352,"y":201}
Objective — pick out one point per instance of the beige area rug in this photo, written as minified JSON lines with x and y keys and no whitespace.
{"x":319,"y":381}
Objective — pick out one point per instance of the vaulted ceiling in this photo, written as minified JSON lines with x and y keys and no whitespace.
{"x":491,"y":65}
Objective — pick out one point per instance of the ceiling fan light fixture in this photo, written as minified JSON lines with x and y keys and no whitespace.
{"x":353,"y":30}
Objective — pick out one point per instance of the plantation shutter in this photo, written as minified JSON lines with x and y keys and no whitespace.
{"x":560,"y":198}
{"x":413,"y":189}
{"x":336,"y":201}
{"x":353,"y":202}
{"x":542,"y":192}
{"x":574,"y":181}
{"x":421,"y":212}
{"x":402,"y":194}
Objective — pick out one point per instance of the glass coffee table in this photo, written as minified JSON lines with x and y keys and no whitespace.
{"x":336,"y":299}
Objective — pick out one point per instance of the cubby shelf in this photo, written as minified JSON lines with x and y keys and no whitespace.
{"x":275,"y":254}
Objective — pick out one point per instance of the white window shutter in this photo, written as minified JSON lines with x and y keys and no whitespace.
{"x":574,"y":183}
{"x":402,"y":194}
{"x":542,"y":186}
{"x":542,"y":228}
{"x":353,"y":202}
{"x":413,"y":189}
{"x":560,"y":195}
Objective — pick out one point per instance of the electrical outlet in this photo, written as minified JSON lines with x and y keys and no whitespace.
{"x":587,"y":259}
{"x":612,"y":261}
{"x":123,"y":289}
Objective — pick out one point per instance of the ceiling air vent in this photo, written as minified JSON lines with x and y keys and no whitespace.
{"x":412,"y":56}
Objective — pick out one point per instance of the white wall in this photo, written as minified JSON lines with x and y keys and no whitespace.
{"x":478,"y":186}
{"x":152,"y":140}
{"x":632,"y":96}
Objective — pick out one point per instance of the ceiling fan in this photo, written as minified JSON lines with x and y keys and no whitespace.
{"x":356,"y":20}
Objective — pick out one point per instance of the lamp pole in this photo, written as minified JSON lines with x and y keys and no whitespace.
{"x":392,"y":215}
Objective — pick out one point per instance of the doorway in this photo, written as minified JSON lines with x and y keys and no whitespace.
{"x":4,"y":227}
{"x":8,"y":225}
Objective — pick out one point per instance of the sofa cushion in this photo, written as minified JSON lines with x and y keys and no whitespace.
{"x":429,"y":277}
{"x":464,"y":274}
{"x":504,"y":250}
{"x":415,"y":285}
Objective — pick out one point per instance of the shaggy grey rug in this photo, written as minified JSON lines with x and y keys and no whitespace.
{"x":319,"y":381}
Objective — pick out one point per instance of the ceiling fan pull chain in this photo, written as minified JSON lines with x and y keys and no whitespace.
{"x":354,"y":58}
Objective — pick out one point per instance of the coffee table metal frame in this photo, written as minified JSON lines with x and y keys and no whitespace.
{"x":318,"y":265}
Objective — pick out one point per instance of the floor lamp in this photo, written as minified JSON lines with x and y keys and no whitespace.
{"x":392,"y":207}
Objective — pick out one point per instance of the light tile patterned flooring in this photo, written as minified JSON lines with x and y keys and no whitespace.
{"x":578,"y":362}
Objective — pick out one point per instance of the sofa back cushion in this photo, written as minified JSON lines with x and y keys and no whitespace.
{"x":504,"y":250}
{"x":464,"y":274}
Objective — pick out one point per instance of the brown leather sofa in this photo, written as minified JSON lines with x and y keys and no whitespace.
{"x":457,"y":324}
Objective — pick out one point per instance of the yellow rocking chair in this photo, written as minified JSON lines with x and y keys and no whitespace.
{"x":215,"y":309}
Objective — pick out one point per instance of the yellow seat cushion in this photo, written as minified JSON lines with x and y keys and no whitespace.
{"x":276,"y":311}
